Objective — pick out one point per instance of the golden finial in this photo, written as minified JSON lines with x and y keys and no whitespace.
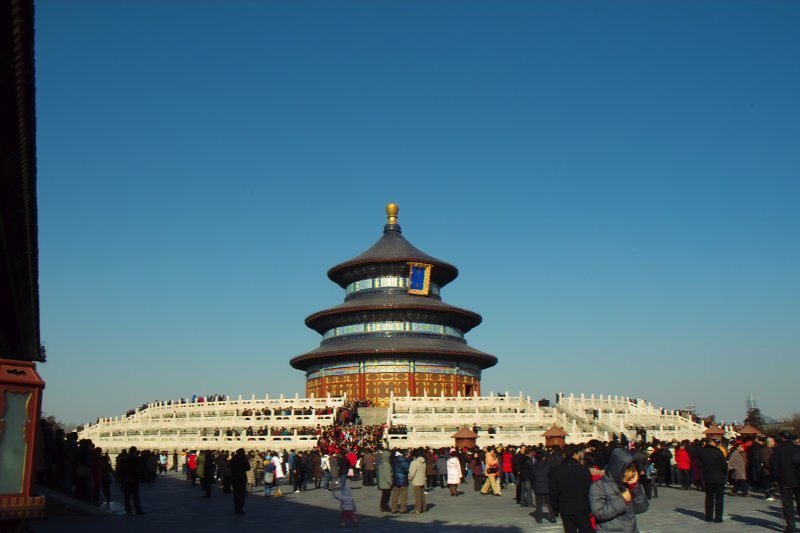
{"x":391,"y":212}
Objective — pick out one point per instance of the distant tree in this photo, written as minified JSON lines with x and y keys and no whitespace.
{"x":710,"y":419}
{"x":52,"y":421}
{"x":754,"y":418}
{"x":794,"y":423}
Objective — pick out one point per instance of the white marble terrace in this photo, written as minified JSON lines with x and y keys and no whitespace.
{"x":430,"y":421}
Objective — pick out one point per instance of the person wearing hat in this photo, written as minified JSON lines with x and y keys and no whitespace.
{"x":784,"y":469}
{"x":715,"y":470}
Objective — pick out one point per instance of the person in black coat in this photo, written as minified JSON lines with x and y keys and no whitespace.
{"x":524,"y":477}
{"x":344,"y":468}
{"x":715,"y":471}
{"x":209,"y":470}
{"x":663,"y":461}
{"x":129,"y":475}
{"x":400,"y":468}
{"x":540,"y":475}
{"x":239,"y":467}
{"x":569,"y":491}
{"x":785,"y":473}
{"x":299,"y":472}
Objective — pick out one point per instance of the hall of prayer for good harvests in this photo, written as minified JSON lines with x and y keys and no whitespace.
{"x":393,"y":334}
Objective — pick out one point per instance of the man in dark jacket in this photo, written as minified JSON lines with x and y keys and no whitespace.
{"x":399,"y":482}
{"x":715,"y":470}
{"x":210,"y":467}
{"x":540,"y":481}
{"x":239,"y":467}
{"x":569,"y":491}
{"x":524,"y":473}
{"x":785,"y":473}
{"x":129,"y":475}
{"x":755,"y":470}
{"x":344,"y":468}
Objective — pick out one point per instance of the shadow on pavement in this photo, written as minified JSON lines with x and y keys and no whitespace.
{"x":691,"y":512}
{"x":173,"y":505}
{"x":756,"y":522}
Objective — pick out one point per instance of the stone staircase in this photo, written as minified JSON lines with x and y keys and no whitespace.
{"x":373,"y":416}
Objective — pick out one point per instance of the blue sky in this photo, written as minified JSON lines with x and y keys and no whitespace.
{"x":617,"y":183}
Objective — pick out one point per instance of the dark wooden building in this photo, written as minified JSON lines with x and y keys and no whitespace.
{"x":19,"y":252}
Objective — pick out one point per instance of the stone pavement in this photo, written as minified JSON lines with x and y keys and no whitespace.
{"x":174,"y":506}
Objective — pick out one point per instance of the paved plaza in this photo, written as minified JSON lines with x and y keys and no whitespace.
{"x":174,"y":506}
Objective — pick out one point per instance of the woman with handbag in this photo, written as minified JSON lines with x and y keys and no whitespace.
{"x":270,"y":480}
{"x":492,"y":473}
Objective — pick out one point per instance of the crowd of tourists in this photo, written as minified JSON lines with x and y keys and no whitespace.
{"x":596,"y":486}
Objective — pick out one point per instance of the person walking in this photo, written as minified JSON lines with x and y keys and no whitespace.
{"x":417,"y":477}
{"x":333,"y":469}
{"x":715,"y":469}
{"x":737,"y":463}
{"x":347,"y":506}
{"x":492,"y":473}
{"x":767,"y":480}
{"x":785,"y":473}
{"x":616,"y":498}
{"x":569,"y":491}
{"x":239,"y":467}
{"x":384,"y":470}
{"x":129,"y":473}
{"x":399,"y":482}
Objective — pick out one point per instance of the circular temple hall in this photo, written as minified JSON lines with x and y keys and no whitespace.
{"x":393,"y":334}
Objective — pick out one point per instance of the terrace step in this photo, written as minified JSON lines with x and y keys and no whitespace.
{"x":373,"y":416}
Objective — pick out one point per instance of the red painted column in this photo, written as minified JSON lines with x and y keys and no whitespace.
{"x":362,"y":385}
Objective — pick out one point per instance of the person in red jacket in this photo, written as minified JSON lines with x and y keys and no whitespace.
{"x":684,"y":463}
{"x":191,"y":464}
{"x":508,"y":467}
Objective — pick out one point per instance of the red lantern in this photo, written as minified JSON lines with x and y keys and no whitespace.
{"x":20,"y":404}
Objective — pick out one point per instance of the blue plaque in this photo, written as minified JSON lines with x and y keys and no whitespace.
{"x":419,"y":278}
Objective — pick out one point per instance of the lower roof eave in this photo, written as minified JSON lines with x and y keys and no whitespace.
{"x":302,"y":362}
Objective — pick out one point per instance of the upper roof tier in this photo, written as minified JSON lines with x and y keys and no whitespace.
{"x":393,"y":307}
{"x":391,"y":250}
